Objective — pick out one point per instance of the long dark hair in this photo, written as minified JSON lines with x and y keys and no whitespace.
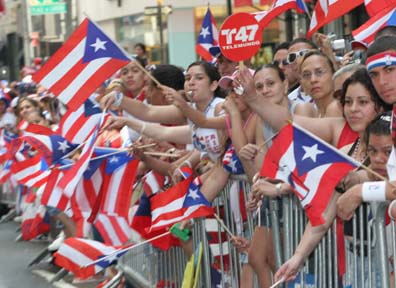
{"x":213,"y":74}
{"x":362,"y":77}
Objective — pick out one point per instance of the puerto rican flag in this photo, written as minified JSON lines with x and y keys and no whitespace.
{"x":208,"y":37}
{"x":52,"y":147}
{"x":115,"y":230}
{"x":82,"y":64}
{"x":118,"y":181}
{"x":115,"y":193}
{"x":77,"y":125}
{"x":141,"y":221}
{"x":367,"y":31}
{"x":75,"y":253}
{"x":279,"y":7}
{"x":180,"y":202}
{"x":312,"y":167}
{"x":33,"y":172}
{"x":52,"y":195}
{"x":75,"y":173}
{"x":327,"y":11}
{"x":218,"y":243}
{"x":373,"y":7}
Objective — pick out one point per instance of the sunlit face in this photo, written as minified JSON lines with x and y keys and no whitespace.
{"x":316,"y":77}
{"x":378,"y":149}
{"x":25,"y":107}
{"x":359,"y":108}
{"x":133,"y":78}
{"x":384,"y":81}
{"x":35,"y":118}
{"x":269,"y":85}
{"x":197,"y":84}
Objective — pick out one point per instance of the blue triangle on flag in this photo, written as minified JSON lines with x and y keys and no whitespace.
{"x":116,"y":161}
{"x":392,"y":19}
{"x":91,"y":108}
{"x":194,"y":196}
{"x":206,"y":34}
{"x":98,"y":45}
{"x":311,"y":153}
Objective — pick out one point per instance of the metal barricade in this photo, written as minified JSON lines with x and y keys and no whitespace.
{"x":148,"y":266}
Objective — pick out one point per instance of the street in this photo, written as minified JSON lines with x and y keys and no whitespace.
{"x":15,"y":257}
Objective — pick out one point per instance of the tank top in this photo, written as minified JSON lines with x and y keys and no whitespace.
{"x":205,"y":139}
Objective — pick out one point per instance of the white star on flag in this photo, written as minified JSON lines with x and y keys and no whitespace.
{"x":99,"y":45}
{"x":113,"y":159}
{"x":232,"y":165}
{"x":205,"y":32}
{"x":193,"y":194}
{"x":63,"y":146}
{"x":311,"y":152}
{"x":112,"y":257}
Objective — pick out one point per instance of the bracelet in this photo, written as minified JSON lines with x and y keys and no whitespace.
{"x":141,"y":131}
{"x":390,"y":209}
{"x":373,"y":191}
{"x":278,"y":188}
{"x":118,"y":99}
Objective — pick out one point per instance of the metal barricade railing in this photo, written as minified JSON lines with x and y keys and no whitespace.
{"x":321,"y":269}
{"x":147,"y":266}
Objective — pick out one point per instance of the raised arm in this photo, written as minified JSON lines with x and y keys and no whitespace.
{"x":177,"y":134}
{"x":167,"y":114}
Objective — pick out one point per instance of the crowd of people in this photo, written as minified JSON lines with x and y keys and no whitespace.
{"x":220,"y":119}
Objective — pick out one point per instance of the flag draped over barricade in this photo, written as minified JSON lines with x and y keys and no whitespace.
{"x":75,"y":253}
{"x":311,"y":166}
{"x":82,"y":64}
{"x":180,"y":202}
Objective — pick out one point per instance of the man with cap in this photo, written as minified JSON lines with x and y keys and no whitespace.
{"x":225,"y":66}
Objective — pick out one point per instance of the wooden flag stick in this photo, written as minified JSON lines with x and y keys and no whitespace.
{"x":223,"y":225}
{"x":147,"y":73}
{"x":161,"y":154}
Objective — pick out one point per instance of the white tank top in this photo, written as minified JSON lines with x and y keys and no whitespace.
{"x":204,"y":139}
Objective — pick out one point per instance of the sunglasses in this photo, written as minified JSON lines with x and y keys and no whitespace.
{"x":278,"y":62}
{"x":293,"y":56}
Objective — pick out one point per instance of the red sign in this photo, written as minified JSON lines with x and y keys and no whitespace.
{"x":240,"y":37}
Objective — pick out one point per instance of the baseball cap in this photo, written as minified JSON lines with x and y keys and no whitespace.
{"x":355,"y":44}
{"x":226,"y":81}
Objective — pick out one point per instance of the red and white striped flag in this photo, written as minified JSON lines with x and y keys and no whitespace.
{"x":366,"y":32}
{"x":327,"y":11}
{"x":82,"y":64}
{"x":75,"y":253}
